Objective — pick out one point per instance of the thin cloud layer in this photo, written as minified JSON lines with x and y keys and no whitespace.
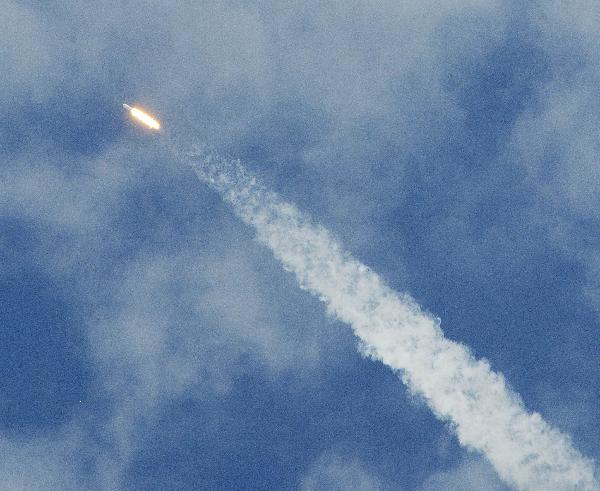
{"x":350,"y":109}
{"x":555,"y":138}
{"x":338,"y":473}
{"x":470,"y":474}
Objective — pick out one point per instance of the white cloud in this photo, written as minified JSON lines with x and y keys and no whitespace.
{"x":177,"y":325}
{"x":471,"y":474}
{"x":29,"y":54}
{"x":161,"y":324}
{"x":376,"y":71}
{"x":555,"y":139}
{"x":339,"y":473}
{"x":39,"y":463}
{"x":333,"y":470}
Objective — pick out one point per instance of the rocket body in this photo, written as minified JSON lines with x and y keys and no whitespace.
{"x":143,"y":117}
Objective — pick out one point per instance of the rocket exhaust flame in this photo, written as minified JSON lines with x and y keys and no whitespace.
{"x":143,"y":117}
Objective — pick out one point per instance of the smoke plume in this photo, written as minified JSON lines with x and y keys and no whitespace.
{"x":476,"y":402}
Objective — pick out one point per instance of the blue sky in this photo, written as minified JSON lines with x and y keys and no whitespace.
{"x":150,"y":342}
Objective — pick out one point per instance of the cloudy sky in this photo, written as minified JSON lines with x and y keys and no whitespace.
{"x":149,"y":341}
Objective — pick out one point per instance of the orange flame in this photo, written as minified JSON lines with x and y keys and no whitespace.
{"x":145,"y":118}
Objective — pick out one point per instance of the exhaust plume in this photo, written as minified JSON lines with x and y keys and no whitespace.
{"x":477,"y":403}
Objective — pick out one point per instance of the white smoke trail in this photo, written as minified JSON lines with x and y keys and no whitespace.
{"x":483,"y":411}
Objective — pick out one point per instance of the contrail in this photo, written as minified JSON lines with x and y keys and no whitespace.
{"x":482,"y":410}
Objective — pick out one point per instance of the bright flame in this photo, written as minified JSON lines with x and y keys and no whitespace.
{"x":145,"y":118}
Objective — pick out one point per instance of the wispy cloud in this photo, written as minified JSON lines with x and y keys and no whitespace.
{"x":338,"y":472}
{"x":340,"y":64}
{"x":40,"y":463}
{"x":471,"y":474}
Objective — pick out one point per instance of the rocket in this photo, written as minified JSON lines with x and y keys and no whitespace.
{"x":142,"y":117}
